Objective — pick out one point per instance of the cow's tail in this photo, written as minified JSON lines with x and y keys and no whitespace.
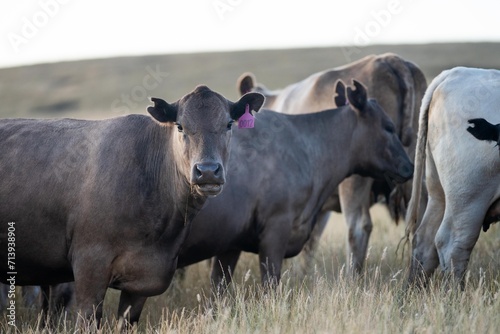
{"x":408,"y":110}
{"x":420,"y":155}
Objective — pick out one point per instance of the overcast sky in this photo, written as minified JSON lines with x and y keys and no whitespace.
{"x":54,"y":30}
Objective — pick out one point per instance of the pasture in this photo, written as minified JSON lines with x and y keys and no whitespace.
{"x":322,"y":299}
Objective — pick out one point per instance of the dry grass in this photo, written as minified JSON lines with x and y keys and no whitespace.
{"x":324,"y":301}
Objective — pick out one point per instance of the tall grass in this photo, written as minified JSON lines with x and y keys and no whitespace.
{"x":325,"y":300}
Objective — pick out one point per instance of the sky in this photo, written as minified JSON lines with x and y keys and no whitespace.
{"x":58,"y":30}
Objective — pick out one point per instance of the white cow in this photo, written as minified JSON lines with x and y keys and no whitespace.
{"x":461,"y":172}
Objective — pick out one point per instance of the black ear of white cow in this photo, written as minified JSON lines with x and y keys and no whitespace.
{"x":162,"y":111}
{"x":357,"y":97}
{"x":340,"y":98}
{"x":254,"y":101}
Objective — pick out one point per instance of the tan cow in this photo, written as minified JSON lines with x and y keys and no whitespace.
{"x":398,"y":86}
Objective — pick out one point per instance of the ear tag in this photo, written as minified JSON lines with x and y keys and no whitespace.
{"x":247,"y":120}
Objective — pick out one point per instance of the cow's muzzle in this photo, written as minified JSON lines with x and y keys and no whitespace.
{"x":403,"y":173}
{"x":208,"y":178}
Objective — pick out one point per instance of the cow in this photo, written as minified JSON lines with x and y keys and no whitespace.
{"x":109,"y":203}
{"x":278,"y":183}
{"x":398,"y":86}
{"x":461,"y":173}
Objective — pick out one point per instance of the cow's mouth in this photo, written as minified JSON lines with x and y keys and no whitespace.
{"x":209,"y":189}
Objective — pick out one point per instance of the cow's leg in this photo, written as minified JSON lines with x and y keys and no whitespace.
{"x":55,"y":299}
{"x":141,"y":274}
{"x":270,"y":267}
{"x":45,"y":298}
{"x":46,"y":313}
{"x":61,"y":296}
{"x":424,"y":254}
{"x":355,"y":202}
{"x":272,"y":249}
{"x":223,"y":266}
{"x":31,"y":295}
{"x":459,"y":232}
{"x":91,"y":283}
{"x":130,"y":307}
{"x":312,"y":244}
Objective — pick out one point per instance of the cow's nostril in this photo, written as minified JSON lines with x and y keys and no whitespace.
{"x":217,"y":170}
{"x":198,"y":171}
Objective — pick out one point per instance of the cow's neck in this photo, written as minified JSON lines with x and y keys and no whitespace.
{"x":189,"y":201}
{"x":164,"y":166}
{"x":329,"y":147}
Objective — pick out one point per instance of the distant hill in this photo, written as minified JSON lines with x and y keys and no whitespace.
{"x":101,"y":88}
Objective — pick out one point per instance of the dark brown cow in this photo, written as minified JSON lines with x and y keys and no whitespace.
{"x":398,"y":86}
{"x":109,"y":203}
{"x":279,"y":182}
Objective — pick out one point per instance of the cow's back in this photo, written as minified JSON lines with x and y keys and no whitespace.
{"x":316,"y":91}
{"x":396,"y":84}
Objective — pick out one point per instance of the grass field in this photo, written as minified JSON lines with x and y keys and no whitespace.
{"x":324,"y":300}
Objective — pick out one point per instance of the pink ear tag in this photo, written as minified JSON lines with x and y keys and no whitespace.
{"x":247,"y":120}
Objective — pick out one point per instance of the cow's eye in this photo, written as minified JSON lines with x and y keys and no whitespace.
{"x":230,"y":124}
{"x":179,"y":127}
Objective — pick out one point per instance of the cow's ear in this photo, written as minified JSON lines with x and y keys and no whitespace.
{"x":162,"y":111}
{"x":340,"y":98}
{"x":357,"y":97}
{"x":254,"y":100}
{"x":245,"y":83}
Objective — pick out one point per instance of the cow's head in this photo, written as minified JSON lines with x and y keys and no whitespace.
{"x":202,"y":122}
{"x":483,"y":130}
{"x":376,"y":145}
